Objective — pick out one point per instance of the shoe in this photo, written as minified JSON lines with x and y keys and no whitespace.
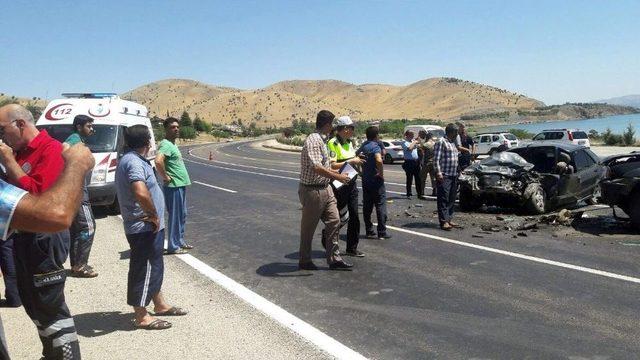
{"x":446,"y":226}
{"x":177,"y":252}
{"x":307,"y":266}
{"x":187,"y":247}
{"x":422,"y":197}
{"x":408,"y":196}
{"x":354,"y":253}
{"x":455,"y":225}
{"x":384,"y":237}
{"x":340,"y":265}
{"x":371,"y":235}
{"x":6,"y":304}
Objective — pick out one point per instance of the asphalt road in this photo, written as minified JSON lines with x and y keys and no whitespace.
{"x":424,"y":293}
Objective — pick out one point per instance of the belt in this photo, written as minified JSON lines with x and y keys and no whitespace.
{"x":315,"y":186}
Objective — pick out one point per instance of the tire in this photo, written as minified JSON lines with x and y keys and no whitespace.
{"x":595,"y":198}
{"x":468,"y":202}
{"x":634,"y":209}
{"x":536,"y":203}
{"x":114,"y":209}
{"x":490,"y":153}
{"x":388,"y":159}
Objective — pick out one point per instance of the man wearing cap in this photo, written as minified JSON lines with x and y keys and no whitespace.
{"x":316,"y":197}
{"x":341,"y":152}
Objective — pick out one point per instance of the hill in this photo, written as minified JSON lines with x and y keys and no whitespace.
{"x":629,"y":100}
{"x":280,"y":103}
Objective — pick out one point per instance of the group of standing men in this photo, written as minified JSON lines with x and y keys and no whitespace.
{"x":442,"y":161}
{"x":45,"y":215}
{"x":329,"y":194}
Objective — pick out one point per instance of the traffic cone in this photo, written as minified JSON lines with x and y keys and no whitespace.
{"x":210,"y":155}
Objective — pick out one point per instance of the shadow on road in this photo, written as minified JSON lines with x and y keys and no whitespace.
{"x":102,"y":323}
{"x":278,"y":269}
{"x":315,"y":254}
{"x":421,"y":225}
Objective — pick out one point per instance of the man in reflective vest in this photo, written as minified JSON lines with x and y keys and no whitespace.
{"x":341,"y":151}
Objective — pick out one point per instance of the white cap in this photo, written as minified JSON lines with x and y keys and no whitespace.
{"x":343,"y":121}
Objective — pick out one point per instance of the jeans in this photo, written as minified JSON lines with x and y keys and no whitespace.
{"x":374,"y":196}
{"x":8,"y":266}
{"x":412,"y":171}
{"x":446,"y":193}
{"x":176,"y":202}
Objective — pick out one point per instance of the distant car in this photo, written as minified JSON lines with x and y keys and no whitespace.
{"x":393,"y":151}
{"x":573,"y":136}
{"x":537,"y":177}
{"x":488,"y":143}
{"x":435,"y":130}
{"x":621,"y":187}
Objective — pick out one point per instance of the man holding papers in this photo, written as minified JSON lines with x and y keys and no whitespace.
{"x":343,"y":157}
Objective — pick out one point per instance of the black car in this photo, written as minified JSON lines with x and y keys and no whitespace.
{"x":621,"y":187}
{"x":538,"y":177}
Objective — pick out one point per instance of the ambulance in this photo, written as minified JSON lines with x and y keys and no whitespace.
{"x":112,"y":115}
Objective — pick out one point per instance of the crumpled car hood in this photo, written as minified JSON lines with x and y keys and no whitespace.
{"x":504,"y":163}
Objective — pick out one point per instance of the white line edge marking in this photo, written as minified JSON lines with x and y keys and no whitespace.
{"x":275,"y":312}
{"x":215,"y":187}
{"x":522,"y":256}
{"x":190,"y":152}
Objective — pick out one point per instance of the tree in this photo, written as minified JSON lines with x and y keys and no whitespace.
{"x":187,"y":132}
{"x":198,"y":124}
{"x":185,"y":120}
{"x":628,"y":137}
{"x":35,"y":110}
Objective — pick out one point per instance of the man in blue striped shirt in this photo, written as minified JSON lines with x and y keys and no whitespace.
{"x":446,"y":168}
{"x":411,"y":165}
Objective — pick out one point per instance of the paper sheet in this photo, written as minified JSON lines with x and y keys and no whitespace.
{"x":345,"y":169}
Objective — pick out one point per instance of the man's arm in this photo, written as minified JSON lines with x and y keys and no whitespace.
{"x":379,"y":165}
{"x":333,"y":175}
{"x":54,"y":210}
{"x":160,"y":167}
{"x":143,"y":197}
{"x":437,"y":155}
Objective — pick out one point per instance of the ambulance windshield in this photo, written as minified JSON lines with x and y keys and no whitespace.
{"x":103,"y":139}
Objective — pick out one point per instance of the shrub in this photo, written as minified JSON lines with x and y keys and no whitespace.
{"x":522,"y":134}
{"x":628,"y":137}
{"x":187,"y":132}
{"x":296,"y":140}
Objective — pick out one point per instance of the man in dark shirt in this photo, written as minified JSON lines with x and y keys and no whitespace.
{"x":373,"y":189}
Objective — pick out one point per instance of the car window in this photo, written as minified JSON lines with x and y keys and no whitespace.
{"x":554,"y":135}
{"x":495,"y":138}
{"x":541,"y":136}
{"x":580,"y":135}
{"x":485,"y":139}
{"x":510,"y":137}
{"x":582,"y":160}
{"x":542,"y":158}
{"x":592,"y":155}
{"x":102,"y":140}
{"x":386,"y":144}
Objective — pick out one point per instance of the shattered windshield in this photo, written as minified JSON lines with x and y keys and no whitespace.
{"x":543,"y":158}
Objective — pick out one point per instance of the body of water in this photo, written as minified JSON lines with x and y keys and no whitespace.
{"x":617,"y":124}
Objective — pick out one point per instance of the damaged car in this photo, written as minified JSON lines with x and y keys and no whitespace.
{"x":536,"y":178}
{"x":621,"y":186}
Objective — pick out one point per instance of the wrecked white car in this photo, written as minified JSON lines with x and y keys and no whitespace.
{"x":536,"y":178}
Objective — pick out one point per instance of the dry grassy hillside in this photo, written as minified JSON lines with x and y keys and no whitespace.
{"x":280,"y":103}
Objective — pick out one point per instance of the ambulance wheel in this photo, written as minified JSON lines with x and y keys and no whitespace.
{"x":388,"y":159}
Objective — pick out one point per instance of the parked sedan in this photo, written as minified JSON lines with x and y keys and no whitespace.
{"x":622,"y":184}
{"x":393,"y":151}
{"x":537,"y":177}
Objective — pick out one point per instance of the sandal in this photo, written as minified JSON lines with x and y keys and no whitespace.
{"x":174,"y":311}
{"x":187,"y":247}
{"x":156,"y":324}
{"x":85,"y":271}
{"x":177,"y":252}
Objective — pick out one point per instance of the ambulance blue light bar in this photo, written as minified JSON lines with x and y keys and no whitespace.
{"x":89,"y":95}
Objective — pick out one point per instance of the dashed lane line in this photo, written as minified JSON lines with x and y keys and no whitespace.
{"x":215,"y":187}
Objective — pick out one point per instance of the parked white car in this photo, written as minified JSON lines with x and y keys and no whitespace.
{"x":393,"y":151}
{"x":573,"y":136}
{"x":435,"y":130}
{"x":488,"y":143}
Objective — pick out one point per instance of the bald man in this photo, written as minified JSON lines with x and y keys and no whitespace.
{"x":33,"y":162}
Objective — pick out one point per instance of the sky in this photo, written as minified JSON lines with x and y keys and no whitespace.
{"x":554,"y":51}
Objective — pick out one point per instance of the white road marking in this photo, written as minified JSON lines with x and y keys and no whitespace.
{"x":521,"y":256}
{"x":215,"y":187}
{"x":275,"y":312}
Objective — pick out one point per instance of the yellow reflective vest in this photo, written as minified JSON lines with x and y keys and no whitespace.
{"x":339,"y":152}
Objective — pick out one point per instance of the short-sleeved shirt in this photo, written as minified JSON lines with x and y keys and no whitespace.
{"x":131,"y":168}
{"x":445,"y":160}
{"x":42,"y":162}
{"x":74,"y":139}
{"x":369,"y":169}
{"x":409,"y":154}
{"x":9,"y":198}
{"x":173,"y":164}
{"x":314,"y":153}
{"x":466,"y":142}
